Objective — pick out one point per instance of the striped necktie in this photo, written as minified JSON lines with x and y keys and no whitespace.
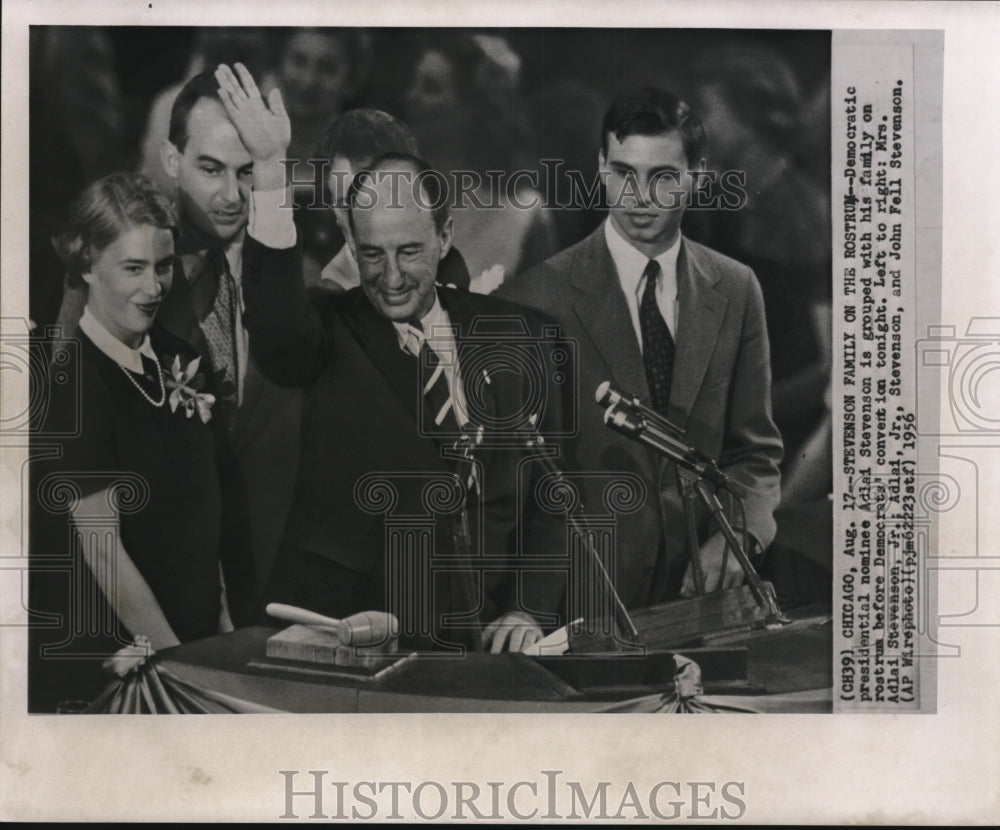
{"x":657,"y":343}
{"x":439,"y":405}
{"x":439,"y":420}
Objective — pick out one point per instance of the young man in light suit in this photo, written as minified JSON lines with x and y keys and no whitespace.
{"x":674,"y":323}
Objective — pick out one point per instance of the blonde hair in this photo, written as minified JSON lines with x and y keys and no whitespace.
{"x":102,"y":212}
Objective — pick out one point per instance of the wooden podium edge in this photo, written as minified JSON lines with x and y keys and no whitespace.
{"x":672,"y":625}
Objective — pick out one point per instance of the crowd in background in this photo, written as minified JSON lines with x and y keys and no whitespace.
{"x":100,"y":100}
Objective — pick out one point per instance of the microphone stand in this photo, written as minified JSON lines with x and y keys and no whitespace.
{"x":673,"y":436}
{"x":464,"y":449}
{"x":687,"y":499}
{"x":697,"y":470}
{"x":533,"y":440}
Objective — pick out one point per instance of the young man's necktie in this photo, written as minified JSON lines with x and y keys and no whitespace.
{"x":219,"y":328}
{"x":657,"y":342}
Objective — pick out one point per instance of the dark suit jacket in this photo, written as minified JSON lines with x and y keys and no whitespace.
{"x":365,"y":467}
{"x":720,"y":394}
{"x":259,"y":451}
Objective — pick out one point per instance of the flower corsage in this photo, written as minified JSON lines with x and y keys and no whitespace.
{"x":186,"y":385}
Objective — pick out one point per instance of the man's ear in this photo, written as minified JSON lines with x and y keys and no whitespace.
{"x":170,"y":158}
{"x":446,"y":235}
{"x":602,"y":160}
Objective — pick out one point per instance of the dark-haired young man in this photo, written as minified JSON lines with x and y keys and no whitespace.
{"x":678,"y":325}
{"x":213,"y":172}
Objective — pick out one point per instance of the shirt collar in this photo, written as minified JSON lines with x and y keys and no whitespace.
{"x":111,"y":346}
{"x":412,"y":338}
{"x":630,"y":262}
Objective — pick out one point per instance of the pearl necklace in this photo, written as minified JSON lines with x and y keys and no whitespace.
{"x":159,"y":375}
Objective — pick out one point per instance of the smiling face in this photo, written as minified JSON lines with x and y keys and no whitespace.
{"x":129,"y":279}
{"x":213,"y":173}
{"x":398,"y":248}
{"x":648,"y":186}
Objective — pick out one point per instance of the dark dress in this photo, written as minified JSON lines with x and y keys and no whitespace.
{"x":101,"y":432}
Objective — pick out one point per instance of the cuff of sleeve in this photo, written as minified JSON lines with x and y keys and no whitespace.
{"x":271,"y":222}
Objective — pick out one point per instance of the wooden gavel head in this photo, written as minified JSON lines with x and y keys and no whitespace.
{"x":368,"y":628}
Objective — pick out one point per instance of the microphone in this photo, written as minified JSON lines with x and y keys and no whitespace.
{"x":605,"y":395}
{"x":623,"y":421}
{"x":622,"y":418}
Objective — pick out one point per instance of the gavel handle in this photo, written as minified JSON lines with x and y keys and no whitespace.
{"x":294,"y":614}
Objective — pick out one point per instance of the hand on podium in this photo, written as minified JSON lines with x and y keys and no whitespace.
{"x":520,"y":627}
{"x":710,"y":556}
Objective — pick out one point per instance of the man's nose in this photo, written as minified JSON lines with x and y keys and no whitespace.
{"x":392,"y":275}
{"x":231,"y":188}
{"x":643,"y":190}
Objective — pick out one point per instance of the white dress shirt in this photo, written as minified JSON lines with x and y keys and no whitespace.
{"x":343,"y":269}
{"x":110,"y":345}
{"x":271,"y":221}
{"x":630,"y":264}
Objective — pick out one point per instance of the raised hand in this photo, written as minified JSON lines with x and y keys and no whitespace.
{"x":263,"y":127}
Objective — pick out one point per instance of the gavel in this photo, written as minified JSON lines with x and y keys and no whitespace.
{"x":366,"y":628}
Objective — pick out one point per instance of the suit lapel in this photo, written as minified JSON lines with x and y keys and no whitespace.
{"x":604,"y":315}
{"x":178,"y":314}
{"x":377,"y":338}
{"x":700,"y":313}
